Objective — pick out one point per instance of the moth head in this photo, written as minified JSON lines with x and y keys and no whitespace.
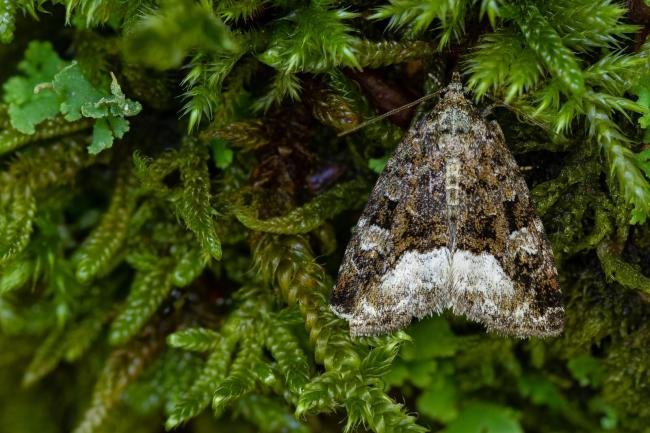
{"x":454,"y":111}
{"x":455,"y":94}
{"x":456,"y":84}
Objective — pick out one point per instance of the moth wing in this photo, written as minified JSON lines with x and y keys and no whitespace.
{"x":396,"y":263}
{"x":503,"y":268}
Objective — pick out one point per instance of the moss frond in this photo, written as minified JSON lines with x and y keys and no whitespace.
{"x":97,"y":251}
{"x":549,"y":46}
{"x":122,"y":367}
{"x":313,"y":38}
{"x":148,"y":290}
{"x":415,"y":17}
{"x":193,"y":203}
{"x":301,"y":281}
{"x":306,"y":218}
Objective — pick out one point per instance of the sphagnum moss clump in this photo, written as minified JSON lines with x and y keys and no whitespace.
{"x":175,"y":201}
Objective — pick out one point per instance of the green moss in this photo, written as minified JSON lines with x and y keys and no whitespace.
{"x":181,"y":278}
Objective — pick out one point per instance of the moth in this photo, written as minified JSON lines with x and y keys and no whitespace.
{"x":450,"y":225}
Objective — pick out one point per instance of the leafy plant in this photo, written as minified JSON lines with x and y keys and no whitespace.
{"x":50,"y":88}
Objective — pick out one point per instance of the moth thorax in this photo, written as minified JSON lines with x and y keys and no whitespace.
{"x":451,"y":145}
{"x":452,"y":185}
{"x":454,"y":121}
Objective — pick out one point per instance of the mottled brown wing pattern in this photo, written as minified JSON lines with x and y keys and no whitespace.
{"x":394,"y":222}
{"x":500,"y":220}
{"x":450,"y":224}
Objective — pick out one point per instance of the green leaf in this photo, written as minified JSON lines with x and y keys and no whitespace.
{"x":419,"y":373}
{"x":75,"y":91}
{"x":377,"y":164}
{"x":432,"y":338}
{"x":81,"y":98}
{"x":480,"y":417}
{"x":587,"y":370}
{"x":399,"y":374}
{"x":642,"y":92}
{"x":610,"y":418}
{"x":221,"y":153}
{"x":119,"y":126}
{"x":48,"y":87}
{"x":116,"y":104}
{"x":29,"y":105}
{"x":541,"y":391}
{"x":102,"y":137}
{"x":440,"y":400}
{"x":643,"y":161}
{"x":25,"y":117}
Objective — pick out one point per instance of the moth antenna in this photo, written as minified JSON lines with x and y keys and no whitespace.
{"x":390,"y":113}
